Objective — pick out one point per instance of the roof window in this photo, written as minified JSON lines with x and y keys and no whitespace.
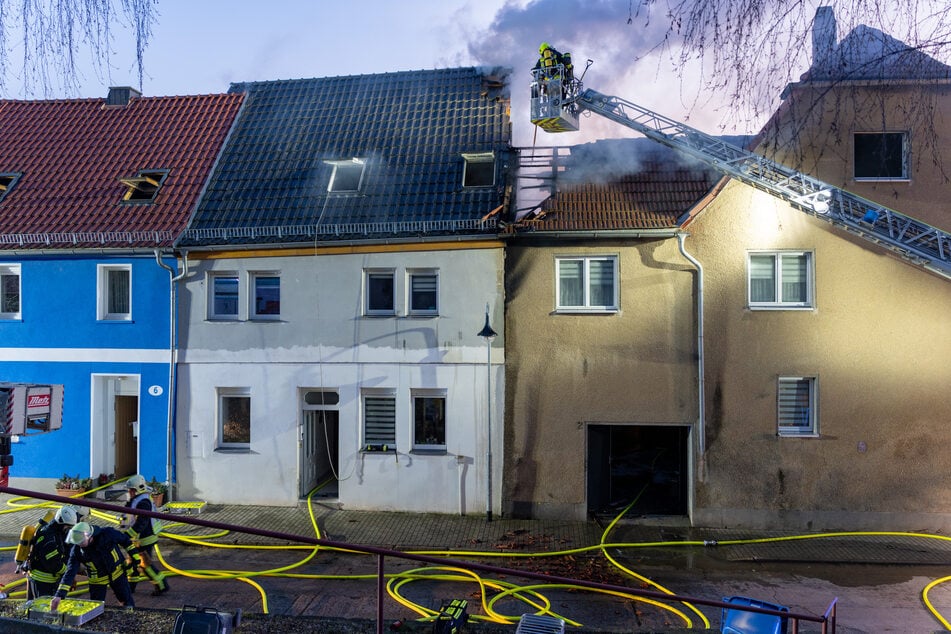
{"x":144,"y":186}
{"x":7,"y":181}
{"x":347,"y":175}
{"x":479,"y":170}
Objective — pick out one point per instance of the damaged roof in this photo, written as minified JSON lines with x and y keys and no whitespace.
{"x":621,"y":184}
{"x":63,"y":161}
{"x":408,"y":135}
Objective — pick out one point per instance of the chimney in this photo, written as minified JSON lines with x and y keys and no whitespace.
{"x":120,"y":95}
{"x":823,"y":36}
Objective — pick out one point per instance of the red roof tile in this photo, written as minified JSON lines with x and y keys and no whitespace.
{"x":653,"y":197}
{"x":71,"y":154}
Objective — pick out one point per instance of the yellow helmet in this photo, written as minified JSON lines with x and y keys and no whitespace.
{"x":544,"y":47}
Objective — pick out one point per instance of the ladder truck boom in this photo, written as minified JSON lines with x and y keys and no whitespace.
{"x":556,"y":107}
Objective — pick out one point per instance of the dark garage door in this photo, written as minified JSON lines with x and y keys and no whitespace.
{"x":645,"y":464}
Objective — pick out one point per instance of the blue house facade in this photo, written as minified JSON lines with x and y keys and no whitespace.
{"x":94,"y":192}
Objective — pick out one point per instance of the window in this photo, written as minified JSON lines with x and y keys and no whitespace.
{"x":234,"y":418}
{"x":423,"y":292}
{"x":797,"y":406}
{"x":780,"y":280}
{"x":223,"y":296}
{"x":881,"y":156}
{"x":7,"y":181}
{"x":380,"y":292}
{"x":587,"y":283}
{"x":347,"y":175}
{"x":379,"y":421}
{"x":115,"y":292}
{"x":266,"y":290}
{"x":143,"y":187}
{"x":429,"y":420}
{"x":479,"y":170}
{"x":10,"y":291}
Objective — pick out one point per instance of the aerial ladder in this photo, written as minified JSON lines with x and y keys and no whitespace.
{"x":556,"y":105}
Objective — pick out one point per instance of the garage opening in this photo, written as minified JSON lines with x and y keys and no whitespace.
{"x":644,"y":464}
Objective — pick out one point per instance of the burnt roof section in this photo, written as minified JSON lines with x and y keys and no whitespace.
{"x":409,"y":128}
{"x":621,"y":185}
{"x":70,"y":155}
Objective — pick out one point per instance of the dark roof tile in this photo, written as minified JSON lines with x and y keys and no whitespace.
{"x":411,"y":128}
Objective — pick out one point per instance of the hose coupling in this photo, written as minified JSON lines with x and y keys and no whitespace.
{"x":709,"y":542}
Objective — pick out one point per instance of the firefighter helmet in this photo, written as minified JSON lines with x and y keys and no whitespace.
{"x":78,"y":533}
{"x":544,"y":47}
{"x":137,"y":484}
{"x":68,"y":515}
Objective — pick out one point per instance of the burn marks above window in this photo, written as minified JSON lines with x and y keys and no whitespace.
{"x":144,"y":186}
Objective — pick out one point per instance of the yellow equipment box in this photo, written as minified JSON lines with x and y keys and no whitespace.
{"x":70,"y":611}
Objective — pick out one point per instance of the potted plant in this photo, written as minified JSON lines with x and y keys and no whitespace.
{"x":69,"y":486}
{"x":159,"y":489}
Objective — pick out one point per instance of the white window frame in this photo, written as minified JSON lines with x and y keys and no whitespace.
{"x":212,"y":279}
{"x":346,"y":168}
{"x":586,"y":305}
{"x":226,"y":393}
{"x":368,"y":275}
{"x":480,"y":159}
{"x":787,"y":413}
{"x":905,"y":156}
{"x":12,"y":270}
{"x":104,"y":310}
{"x":779,"y":303}
{"x":411,"y":275}
{"x":416,"y":394}
{"x":253,"y":278}
{"x":377,"y":440}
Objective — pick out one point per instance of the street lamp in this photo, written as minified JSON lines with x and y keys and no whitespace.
{"x":488,"y":334}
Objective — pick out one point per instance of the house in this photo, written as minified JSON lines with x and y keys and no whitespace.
{"x":823,"y":356}
{"x":93,"y":193}
{"x":342,"y":262}
{"x":600,"y":322}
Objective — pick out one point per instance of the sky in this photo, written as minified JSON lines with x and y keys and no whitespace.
{"x":202,"y":46}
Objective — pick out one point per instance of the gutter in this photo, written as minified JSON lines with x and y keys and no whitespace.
{"x":596,"y":234}
{"x":701,"y":414}
{"x":172,"y":335}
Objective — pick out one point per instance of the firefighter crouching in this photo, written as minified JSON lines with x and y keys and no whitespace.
{"x":99,"y":549}
{"x":143,"y":531}
{"x":48,"y":551}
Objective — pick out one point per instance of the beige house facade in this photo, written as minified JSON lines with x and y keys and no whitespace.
{"x":823,"y":357}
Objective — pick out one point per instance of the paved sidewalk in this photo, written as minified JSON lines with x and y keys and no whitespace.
{"x":877,"y":578}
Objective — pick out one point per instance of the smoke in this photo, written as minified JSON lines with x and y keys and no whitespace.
{"x":623,"y":39}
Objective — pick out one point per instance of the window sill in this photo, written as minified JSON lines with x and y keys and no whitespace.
{"x":586,"y":311}
{"x":428,"y":452}
{"x":114,"y":321}
{"x":788,"y":435}
{"x":781,"y":307}
{"x":882,"y":179}
{"x":265,"y":320}
{"x":236,"y":450}
{"x":223,"y":320}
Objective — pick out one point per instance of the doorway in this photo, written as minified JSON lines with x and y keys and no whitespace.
{"x":115,"y":425}
{"x":319,"y":443}
{"x":643,"y":464}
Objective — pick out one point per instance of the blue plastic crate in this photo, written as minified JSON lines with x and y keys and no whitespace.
{"x":743,"y":622}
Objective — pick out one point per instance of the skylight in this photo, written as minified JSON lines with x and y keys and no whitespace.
{"x":144,"y":186}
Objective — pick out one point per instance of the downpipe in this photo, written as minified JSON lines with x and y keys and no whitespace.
{"x":701,"y":413}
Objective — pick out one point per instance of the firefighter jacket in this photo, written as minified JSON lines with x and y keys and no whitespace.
{"x":48,"y":551}
{"x":143,"y":530}
{"x":103,"y":558}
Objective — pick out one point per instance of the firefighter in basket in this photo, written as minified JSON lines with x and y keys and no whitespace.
{"x":44,"y":559}
{"x":143,"y":531}
{"x":100,"y":550}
